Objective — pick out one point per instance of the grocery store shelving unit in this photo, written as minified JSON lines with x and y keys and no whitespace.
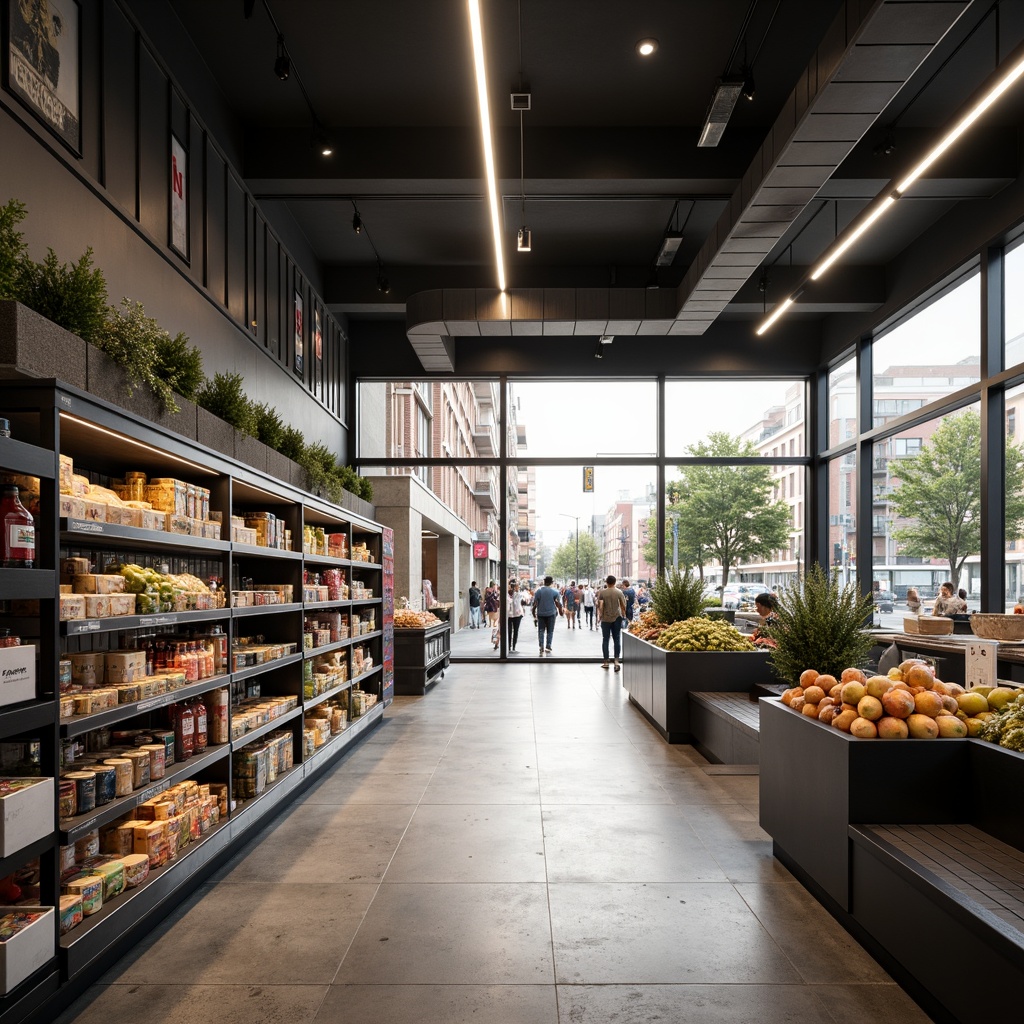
{"x":105,"y":442}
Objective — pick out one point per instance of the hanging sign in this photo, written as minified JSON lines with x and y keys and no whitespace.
{"x":588,"y":479}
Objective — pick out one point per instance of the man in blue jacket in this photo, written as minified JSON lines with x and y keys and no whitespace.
{"x":547,"y":606}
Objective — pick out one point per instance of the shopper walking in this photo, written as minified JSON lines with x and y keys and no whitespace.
{"x":611,"y":607}
{"x":492,"y":603}
{"x":569,"y":601}
{"x":630,"y":595}
{"x":589,"y":603}
{"x":514,"y":615}
{"x":474,"y":605}
{"x":547,"y":606}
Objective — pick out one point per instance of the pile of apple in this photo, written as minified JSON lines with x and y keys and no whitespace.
{"x":908,"y":702}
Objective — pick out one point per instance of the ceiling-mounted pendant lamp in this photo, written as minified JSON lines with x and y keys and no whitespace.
{"x":525,"y":240}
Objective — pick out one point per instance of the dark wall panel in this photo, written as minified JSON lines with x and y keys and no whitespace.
{"x":154,"y":149}
{"x":236,"y":248}
{"x":196,"y":142}
{"x":256,"y":286}
{"x":271,"y":334}
{"x":91,"y":118}
{"x":119,"y":113}
{"x":216,"y":219}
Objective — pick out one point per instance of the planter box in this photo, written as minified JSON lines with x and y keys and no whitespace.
{"x":214,"y":433}
{"x":17,"y":674}
{"x":32,"y":346}
{"x":358,"y":505}
{"x":816,"y":781}
{"x":26,"y":815}
{"x":279,"y":466}
{"x":660,"y":682}
{"x":29,"y":949}
{"x":250,"y":451}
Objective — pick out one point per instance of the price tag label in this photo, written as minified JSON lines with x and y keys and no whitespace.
{"x":980,"y":663}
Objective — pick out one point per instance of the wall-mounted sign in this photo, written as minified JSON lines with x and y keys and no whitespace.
{"x":179,"y":198}
{"x":298,"y":332}
{"x":480,"y":548}
{"x":44,"y":62}
{"x":588,"y":479}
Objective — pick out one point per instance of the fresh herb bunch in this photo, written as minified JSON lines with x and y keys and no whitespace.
{"x":132,"y":339}
{"x":702,"y":634}
{"x":676,"y":596}
{"x":225,"y":397}
{"x":819,"y":625}
{"x":179,"y":364}
{"x":1006,"y":727}
{"x":73,"y":295}
{"x":13,"y":251}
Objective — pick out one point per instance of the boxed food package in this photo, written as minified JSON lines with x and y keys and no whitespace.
{"x":88,"y":886}
{"x":27,"y":941}
{"x":71,"y":507}
{"x":153,"y":519}
{"x":17,"y":673}
{"x":87,"y":668}
{"x":26,"y":812}
{"x":66,"y":473}
{"x":93,"y":583}
{"x":70,"y":912}
{"x":111,"y":871}
{"x":72,"y":606}
{"x":168,"y":495}
{"x":136,"y":869}
{"x":124,"y":666}
{"x":94,"y":511}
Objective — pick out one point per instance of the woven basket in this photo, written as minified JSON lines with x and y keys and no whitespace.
{"x":991,"y":626}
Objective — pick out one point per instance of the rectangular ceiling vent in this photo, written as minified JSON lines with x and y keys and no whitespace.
{"x":521,"y":100}
{"x":727,"y":92}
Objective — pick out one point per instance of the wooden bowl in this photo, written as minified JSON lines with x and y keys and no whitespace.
{"x":991,"y":626}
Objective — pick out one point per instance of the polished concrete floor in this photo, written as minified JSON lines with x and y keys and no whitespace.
{"x":518,"y":846}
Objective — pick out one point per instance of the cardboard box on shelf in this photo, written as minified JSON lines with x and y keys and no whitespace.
{"x":18,"y":673}
{"x":26,"y":812}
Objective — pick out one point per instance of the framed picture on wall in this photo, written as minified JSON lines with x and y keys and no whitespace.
{"x":42,"y":63}
{"x":179,"y":198}
{"x":298,"y":332}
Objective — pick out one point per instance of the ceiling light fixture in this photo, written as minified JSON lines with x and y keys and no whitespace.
{"x":321,"y":143}
{"x":747,"y":92}
{"x":283,"y":64}
{"x":1009,"y":78}
{"x":776,"y":313}
{"x":524,"y":240}
{"x":477,"y":33}
{"x":606,"y":339}
{"x":723,"y":102}
{"x":357,"y":221}
{"x":383,"y":285}
{"x":963,"y":124}
{"x":669,"y":247}
{"x":599,"y":352}
{"x":645,"y":47}
{"x":852,"y":237}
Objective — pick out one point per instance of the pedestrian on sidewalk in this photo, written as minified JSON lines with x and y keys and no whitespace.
{"x":514,"y":614}
{"x":569,"y":601}
{"x":611,"y":608}
{"x":492,"y":604}
{"x":474,"y":605}
{"x":589,"y":603}
{"x":547,"y":606}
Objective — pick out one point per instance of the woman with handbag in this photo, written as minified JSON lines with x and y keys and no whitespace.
{"x":514,"y":614}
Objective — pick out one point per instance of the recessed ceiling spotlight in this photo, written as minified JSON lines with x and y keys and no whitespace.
{"x":646,"y":47}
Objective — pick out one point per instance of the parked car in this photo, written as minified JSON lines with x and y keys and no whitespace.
{"x":883,"y":600}
{"x":740,"y":596}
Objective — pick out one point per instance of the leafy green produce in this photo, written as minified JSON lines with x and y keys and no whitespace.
{"x":703,"y":634}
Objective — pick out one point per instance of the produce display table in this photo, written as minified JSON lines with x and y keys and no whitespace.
{"x":915,"y":846}
{"x":948,"y":654}
{"x":660,"y":682}
{"x":421,"y":657}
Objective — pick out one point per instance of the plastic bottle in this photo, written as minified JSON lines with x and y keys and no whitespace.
{"x":19,"y":530}
{"x":184,"y":732}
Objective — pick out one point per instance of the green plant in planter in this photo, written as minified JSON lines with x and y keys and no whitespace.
{"x":820,"y":625}
{"x":179,"y":364}
{"x":72,"y":295}
{"x":318,"y":462}
{"x":225,"y":397}
{"x":292,"y":444}
{"x":269,"y":425}
{"x":676,"y":596}
{"x":132,"y":340}
{"x":365,"y":488}
{"x":13,"y":252}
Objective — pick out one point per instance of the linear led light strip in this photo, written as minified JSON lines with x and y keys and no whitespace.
{"x":476,"y":29}
{"x":887,"y":203}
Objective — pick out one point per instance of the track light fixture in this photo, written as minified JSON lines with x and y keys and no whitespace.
{"x":283,"y":64}
{"x":747,"y":92}
{"x":599,"y":351}
{"x":357,"y":221}
{"x":525,"y":240}
{"x":321,"y":143}
{"x":383,"y":285}
{"x":646,"y":47}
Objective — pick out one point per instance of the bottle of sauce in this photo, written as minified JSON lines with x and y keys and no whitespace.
{"x":184,"y":732}
{"x":19,"y":541}
{"x":200,"y":735}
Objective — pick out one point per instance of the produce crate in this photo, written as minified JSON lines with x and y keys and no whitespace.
{"x":29,"y":949}
{"x":26,"y":814}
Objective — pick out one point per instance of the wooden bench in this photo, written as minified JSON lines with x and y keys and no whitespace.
{"x":726,"y":727}
{"x":940,"y":898}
